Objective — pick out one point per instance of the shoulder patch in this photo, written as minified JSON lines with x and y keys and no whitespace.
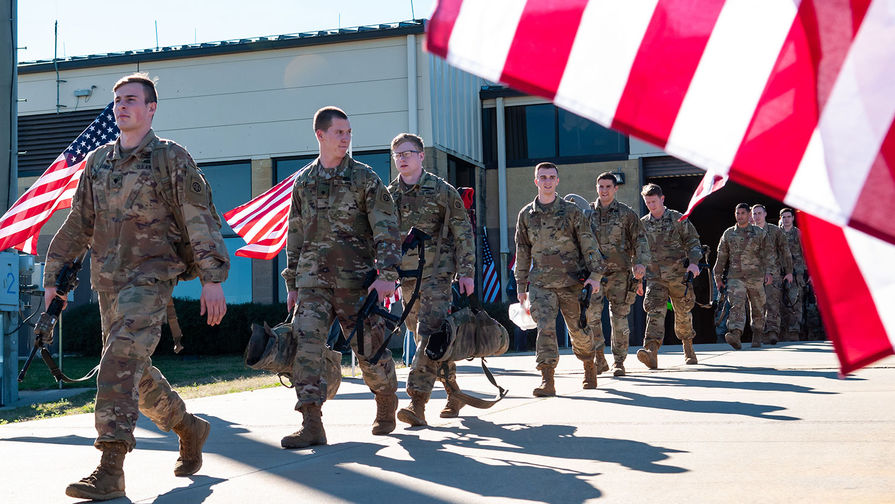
{"x":384,"y":196}
{"x":457,"y":204}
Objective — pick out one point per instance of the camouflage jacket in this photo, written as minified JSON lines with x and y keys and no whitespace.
{"x":794,"y":240}
{"x":342,"y":225}
{"x":748,"y":251}
{"x":429,"y":205}
{"x":670,"y":242}
{"x":620,"y":235}
{"x":781,"y":249}
{"x":554,"y":243}
{"x":118,"y":213}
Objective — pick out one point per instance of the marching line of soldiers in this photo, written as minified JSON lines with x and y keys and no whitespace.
{"x":145,"y":211}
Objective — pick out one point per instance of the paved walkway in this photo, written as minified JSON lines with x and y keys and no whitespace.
{"x":769,"y":425}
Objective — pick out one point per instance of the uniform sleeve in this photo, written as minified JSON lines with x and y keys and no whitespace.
{"x":76,"y":233}
{"x":590,"y":249}
{"x":294,"y":239}
{"x":637,"y":240}
{"x":464,"y":240}
{"x":523,"y":253}
{"x":722,"y":257}
{"x":785,"y":253}
{"x":384,"y":222}
{"x":690,"y":241}
{"x":200,"y":218}
{"x":769,"y":253}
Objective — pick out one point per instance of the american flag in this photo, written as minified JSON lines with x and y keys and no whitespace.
{"x":793,"y":99}
{"x":490,"y":280}
{"x":710,"y":183}
{"x":20,"y":225}
{"x":263,"y":222}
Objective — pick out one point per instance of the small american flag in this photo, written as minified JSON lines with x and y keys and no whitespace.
{"x":490,"y":280}
{"x":20,"y":225}
{"x":263,"y":222}
{"x":710,"y":183}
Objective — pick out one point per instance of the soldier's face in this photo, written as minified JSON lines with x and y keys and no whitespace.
{"x":655,"y":204}
{"x":547,"y":180}
{"x":132,"y":113}
{"x":758,"y":216}
{"x":787,"y":219}
{"x":336,"y":139}
{"x":408,"y":159}
{"x":606,"y":190}
{"x":742,"y":216}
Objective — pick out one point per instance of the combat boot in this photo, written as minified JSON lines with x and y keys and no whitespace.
{"x":602,"y":365}
{"x":415,"y":414}
{"x":791,"y":336}
{"x":452,"y":407}
{"x":618,"y":368}
{"x":772,"y":338}
{"x":689,"y":353}
{"x":590,"y":375}
{"x":547,"y":388}
{"x":107,"y":480}
{"x":192,"y":431}
{"x":386,"y":404}
{"x":311,"y":432}
{"x":756,"y":340}
{"x":649,"y":354}
{"x":733,"y":338}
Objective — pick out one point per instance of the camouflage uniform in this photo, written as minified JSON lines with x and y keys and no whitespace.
{"x":791,"y":309}
{"x":623,"y":243}
{"x":433,"y":206}
{"x":670,"y":242}
{"x":342,"y":226}
{"x":118,"y":214}
{"x":750,"y":256}
{"x":554,"y":243}
{"x":774,"y":291}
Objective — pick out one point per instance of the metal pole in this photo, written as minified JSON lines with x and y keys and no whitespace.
{"x":502,"y":194}
{"x":412,"y":122}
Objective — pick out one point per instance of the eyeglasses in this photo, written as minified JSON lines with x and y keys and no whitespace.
{"x":404,"y":154}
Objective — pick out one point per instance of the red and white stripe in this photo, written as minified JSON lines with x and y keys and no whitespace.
{"x":263,"y":222}
{"x":710,"y":183}
{"x":792,"y":98}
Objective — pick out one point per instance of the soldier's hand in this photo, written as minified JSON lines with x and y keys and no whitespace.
{"x":788,"y":278}
{"x":291,"y":299}
{"x":523,"y":300}
{"x":595,"y":285}
{"x":639,"y":288}
{"x":384,"y":288}
{"x":768,"y":278}
{"x":639,"y":270}
{"x":49,"y":294}
{"x":692,"y":268}
{"x":467,"y":285}
{"x":213,"y":302}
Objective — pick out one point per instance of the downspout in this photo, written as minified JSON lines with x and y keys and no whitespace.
{"x":412,"y":119}
{"x":502,"y":195}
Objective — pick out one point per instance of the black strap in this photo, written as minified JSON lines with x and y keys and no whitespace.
{"x":58,"y":374}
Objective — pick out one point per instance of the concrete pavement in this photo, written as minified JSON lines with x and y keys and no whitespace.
{"x":768,"y":425}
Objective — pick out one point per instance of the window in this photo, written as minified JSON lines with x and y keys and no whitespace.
{"x":581,"y":137}
{"x":231,"y":186}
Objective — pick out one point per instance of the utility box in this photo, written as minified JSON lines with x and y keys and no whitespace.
{"x":9,"y":319}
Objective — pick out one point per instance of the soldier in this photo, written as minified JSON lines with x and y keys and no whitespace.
{"x":625,"y":249}
{"x":773,"y":291}
{"x":749,"y":257}
{"x":791,"y":309}
{"x":342,"y":228}
{"x":555,"y":252}
{"x":119,"y":213}
{"x":432,"y":205}
{"x":674,"y":251}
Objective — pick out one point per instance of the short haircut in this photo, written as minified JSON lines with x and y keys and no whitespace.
{"x":790,"y":211}
{"x":607,"y":176}
{"x":744,"y":206}
{"x":323,"y":118}
{"x":408,"y":137}
{"x":140,"y":78}
{"x":759,"y":205}
{"x":651,"y":190}
{"x":546,"y":166}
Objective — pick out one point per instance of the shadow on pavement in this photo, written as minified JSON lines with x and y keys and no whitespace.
{"x":200,"y":489}
{"x":720,"y":384}
{"x":626,"y":398}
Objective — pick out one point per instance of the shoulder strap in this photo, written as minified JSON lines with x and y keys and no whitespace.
{"x":162,"y":174}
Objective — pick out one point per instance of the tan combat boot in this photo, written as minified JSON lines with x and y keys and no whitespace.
{"x":546,"y":389}
{"x":386,"y":404}
{"x":771,"y":337}
{"x":649,"y":354}
{"x":192,"y":431}
{"x":689,"y":353}
{"x":791,"y":336}
{"x":107,"y":480}
{"x":602,"y":365}
{"x":311,"y":432}
{"x":415,"y":414}
{"x":452,"y":407}
{"x":756,"y":340}
{"x":733,"y":338}
{"x":590,"y":374}
{"x":618,"y":368}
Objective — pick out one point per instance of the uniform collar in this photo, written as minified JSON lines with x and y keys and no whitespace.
{"x":339,"y":171}
{"x":613,"y":207}
{"x":426,"y":180}
{"x":552,"y":207}
{"x":147,"y":140}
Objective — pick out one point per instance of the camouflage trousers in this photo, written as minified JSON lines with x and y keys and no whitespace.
{"x":127,"y":382}
{"x":655,"y":304}
{"x":740,"y":292}
{"x":435,"y":298}
{"x":315,"y":311}
{"x":617,"y":290}
{"x":545,"y":305}
{"x":773,"y":295}
{"x":791,"y":306}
